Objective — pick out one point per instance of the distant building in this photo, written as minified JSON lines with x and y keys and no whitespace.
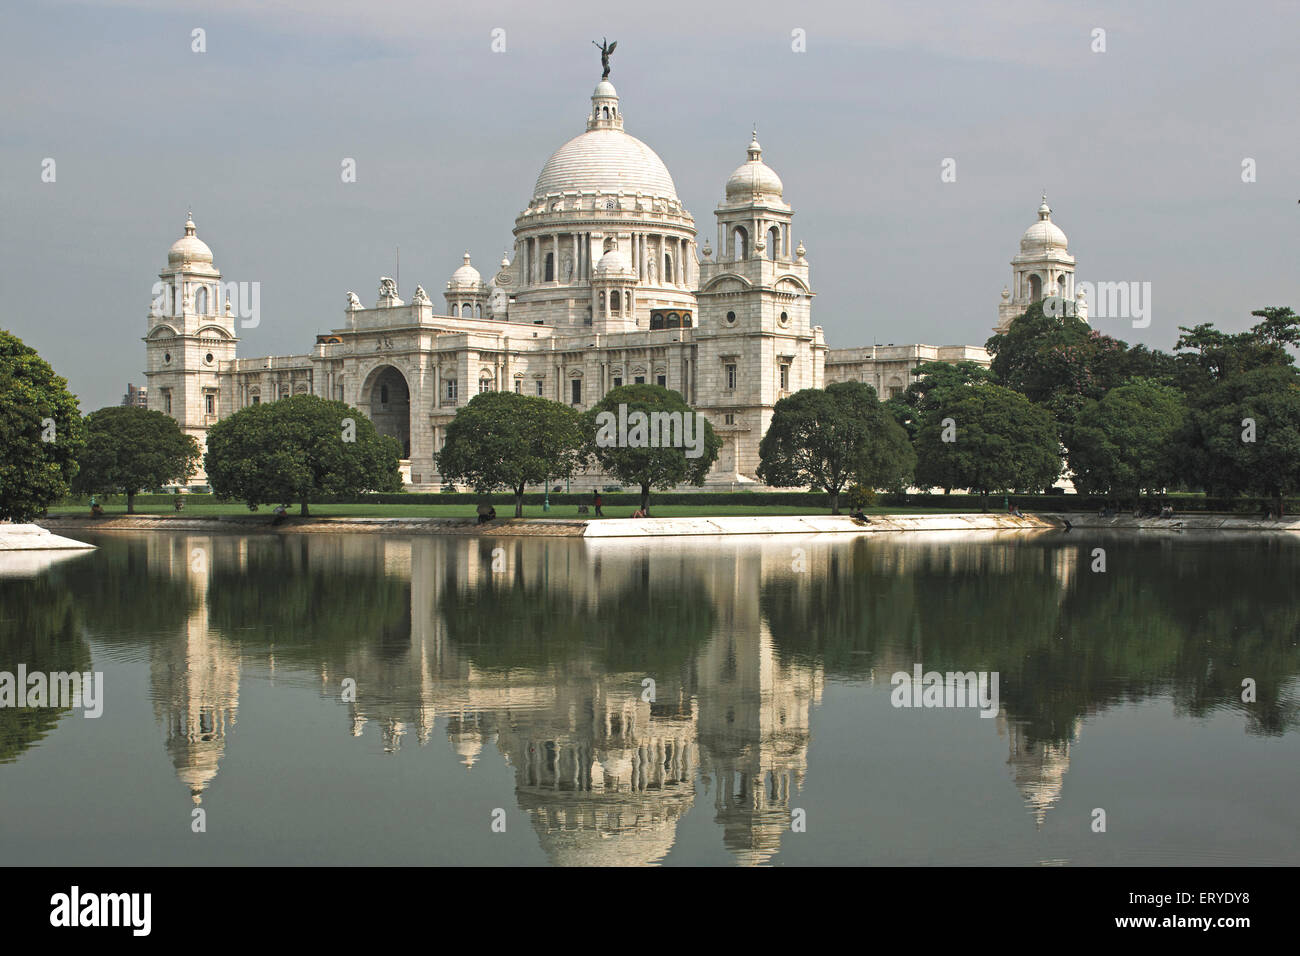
{"x":136,"y":396}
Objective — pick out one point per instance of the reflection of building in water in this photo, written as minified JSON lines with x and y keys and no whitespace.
{"x":1037,"y":766}
{"x":195,"y":675}
{"x":603,"y":775}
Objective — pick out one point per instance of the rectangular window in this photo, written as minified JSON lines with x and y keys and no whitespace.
{"x":484,"y":385}
{"x":639,"y":380}
{"x":210,"y":401}
{"x":541,"y":387}
{"x":257,"y":399}
{"x":730,"y":376}
{"x":167,"y":400}
{"x":451,"y":391}
{"x":785,"y":378}
{"x":519,"y":386}
{"x":661,"y":380}
{"x":575,"y":388}
{"x":618,"y":381}
{"x":729,"y":419}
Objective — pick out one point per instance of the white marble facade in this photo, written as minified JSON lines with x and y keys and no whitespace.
{"x":607,"y":284}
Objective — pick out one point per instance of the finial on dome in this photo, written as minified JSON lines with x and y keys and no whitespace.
{"x":466,"y":257}
{"x":1044,"y":211}
{"x":189,"y":222}
{"x":755,"y":151}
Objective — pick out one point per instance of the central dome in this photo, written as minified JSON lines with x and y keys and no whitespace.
{"x":605,"y":158}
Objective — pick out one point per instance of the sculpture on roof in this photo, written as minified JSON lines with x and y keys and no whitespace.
{"x":606,"y":49}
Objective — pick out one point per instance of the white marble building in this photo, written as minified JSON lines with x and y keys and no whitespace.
{"x":606,"y":286}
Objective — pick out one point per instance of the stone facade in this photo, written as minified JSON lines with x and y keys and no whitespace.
{"x":605,"y":287}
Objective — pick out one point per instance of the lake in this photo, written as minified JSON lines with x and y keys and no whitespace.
{"x":372,"y":699}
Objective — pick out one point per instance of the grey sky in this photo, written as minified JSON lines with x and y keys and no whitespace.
{"x":1140,"y":150}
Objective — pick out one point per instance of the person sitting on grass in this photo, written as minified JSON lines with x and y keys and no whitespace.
{"x":95,"y":510}
{"x":279,"y":511}
{"x":641,"y":513}
{"x":486,"y":513}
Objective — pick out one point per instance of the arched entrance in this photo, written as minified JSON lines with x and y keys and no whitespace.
{"x":387,"y":399}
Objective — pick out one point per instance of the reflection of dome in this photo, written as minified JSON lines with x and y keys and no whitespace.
{"x":754,"y":177}
{"x":1043,"y":235}
{"x":189,"y":247}
{"x":466,"y":275}
{"x":605,"y":158}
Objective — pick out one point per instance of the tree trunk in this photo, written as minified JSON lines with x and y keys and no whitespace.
{"x":130,"y":502}
{"x":835,"y":501}
{"x":984,"y":501}
{"x":304,"y":512}
{"x":1278,"y":504}
{"x":645,"y":498}
{"x":519,"y":502}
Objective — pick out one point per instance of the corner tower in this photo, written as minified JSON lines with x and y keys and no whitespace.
{"x":191,"y":331}
{"x":1043,"y":267}
{"x":756,"y":340}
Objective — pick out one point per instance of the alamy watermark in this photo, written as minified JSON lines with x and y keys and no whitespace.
{"x":654,"y":430}
{"x":951,"y":689}
{"x":57,"y":689}
{"x":242,"y":300}
{"x":1106,"y":300}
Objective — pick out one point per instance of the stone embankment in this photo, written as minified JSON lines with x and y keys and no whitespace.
{"x":30,"y":537}
{"x":665,"y":527}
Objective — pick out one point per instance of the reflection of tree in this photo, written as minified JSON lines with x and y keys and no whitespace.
{"x":40,"y":627}
{"x":1181,"y":617}
{"x":309,"y":605}
{"x":123,"y":596}
{"x":639,"y":627}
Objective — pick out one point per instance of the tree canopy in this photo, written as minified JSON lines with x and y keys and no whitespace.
{"x":647,"y":435}
{"x":129,"y":448}
{"x":501,"y":439}
{"x":988,"y":439}
{"x":826,"y":437}
{"x":1127,"y":441}
{"x":297,"y":449}
{"x":41,"y":432}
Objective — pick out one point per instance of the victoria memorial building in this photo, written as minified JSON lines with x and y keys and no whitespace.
{"x":609,"y":283}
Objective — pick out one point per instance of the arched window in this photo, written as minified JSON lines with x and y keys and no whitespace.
{"x":668,"y":267}
{"x":674,"y":320}
{"x":740,"y":243}
{"x":201,"y":300}
{"x":478,"y":310}
{"x":606,"y":112}
{"x":773,"y":242}
{"x":550,"y":267}
{"x":602,"y":303}
{"x":615,"y":302}
{"x":1035,"y":288}
{"x":455,"y":311}
{"x":466,"y":310}
{"x":383,"y":394}
{"x":656,"y":320}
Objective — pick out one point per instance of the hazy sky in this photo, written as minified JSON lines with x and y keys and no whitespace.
{"x":1140,"y":149}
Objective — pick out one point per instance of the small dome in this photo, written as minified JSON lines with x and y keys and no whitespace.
{"x":1043,"y":235}
{"x":604,"y":89}
{"x":754,"y":177}
{"x":189,"y":247}
{"x":466,"y":275}
{"x":614,"y":263}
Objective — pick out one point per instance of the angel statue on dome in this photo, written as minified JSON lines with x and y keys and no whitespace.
{"x":605,"y":48}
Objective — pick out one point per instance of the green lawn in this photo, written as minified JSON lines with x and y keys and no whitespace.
{"x":117,"y":507}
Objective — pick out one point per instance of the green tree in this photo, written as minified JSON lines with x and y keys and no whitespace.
{"x":620,"y":440}
{"x":826,"y":437}
{"x":1126,"y":442}
{"x":129,"y":448}
{"x":1244,"y":433}
{"x":1057,"y":361}
{"x":1204,"y":355}
{"x":297,"y":449}
{"x":988,"y":439}
{"x":41,"y":432}
{"x":501,"y":439}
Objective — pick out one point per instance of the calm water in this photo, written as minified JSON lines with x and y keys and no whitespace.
{"x":504,"y":680}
